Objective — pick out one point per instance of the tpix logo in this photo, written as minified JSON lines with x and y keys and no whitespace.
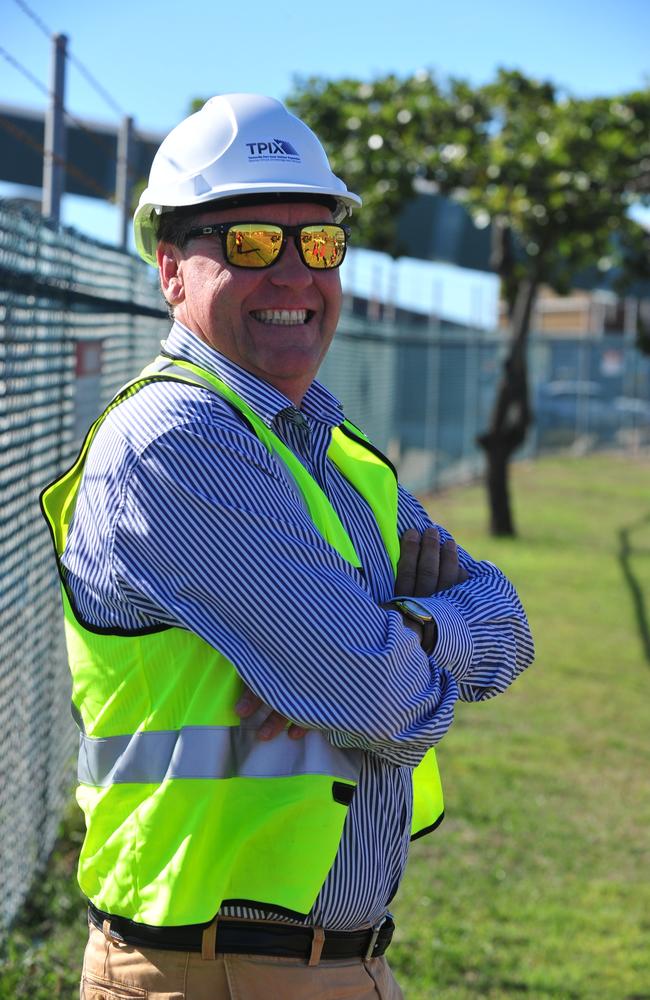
{"x":272,"y":149}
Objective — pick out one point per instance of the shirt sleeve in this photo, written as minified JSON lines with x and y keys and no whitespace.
{"x":211,"y":535}
{"x":484,"y":639}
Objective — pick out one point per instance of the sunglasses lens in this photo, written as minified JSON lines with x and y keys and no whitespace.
{"x":322,"y":246}
{"x":253,"y":244}
{"x":258,"y":244}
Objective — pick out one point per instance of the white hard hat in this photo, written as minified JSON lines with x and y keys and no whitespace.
{"x":237,"y":145}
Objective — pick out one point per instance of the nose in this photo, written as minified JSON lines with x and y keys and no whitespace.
{"x":290,"y":270}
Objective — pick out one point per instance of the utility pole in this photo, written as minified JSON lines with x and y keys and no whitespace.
{"x":54,"y":152}
{"x":123,"y":180}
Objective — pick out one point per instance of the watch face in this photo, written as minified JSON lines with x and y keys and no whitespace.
{"x":414,"y":610}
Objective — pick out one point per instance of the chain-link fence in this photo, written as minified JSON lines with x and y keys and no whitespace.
{"x":421,"y":394}
{"x":424,"y":394}
{"x":589,"y":393}
{"x":76,"y":320}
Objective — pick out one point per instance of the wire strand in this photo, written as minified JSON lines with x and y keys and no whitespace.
{"x":73,"y":59}
{"x":34,"y":17}
{"x":25,"y":72}
{"x":25,"y":138}
{"x":94,"y":83}
{"x":105,"y":148}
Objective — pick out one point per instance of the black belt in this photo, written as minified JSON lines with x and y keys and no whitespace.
{"x":249,"y":937}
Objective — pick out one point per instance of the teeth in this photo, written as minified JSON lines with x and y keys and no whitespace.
{"x":285,"y":317}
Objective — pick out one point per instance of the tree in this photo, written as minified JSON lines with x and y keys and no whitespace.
{"x":554,"y":176}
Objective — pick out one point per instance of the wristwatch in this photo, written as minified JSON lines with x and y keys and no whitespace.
{"x":417,"y":612}
{"x":412,"y":609}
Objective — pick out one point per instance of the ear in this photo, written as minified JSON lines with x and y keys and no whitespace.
{"x":169,"y":259}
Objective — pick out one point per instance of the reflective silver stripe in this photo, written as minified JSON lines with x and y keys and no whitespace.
{"x":210,"y":752}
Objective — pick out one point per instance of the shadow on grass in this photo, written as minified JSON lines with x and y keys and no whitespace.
{"x":626,"y":551}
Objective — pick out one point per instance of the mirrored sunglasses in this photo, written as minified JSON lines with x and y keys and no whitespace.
{"x":321,"y":245}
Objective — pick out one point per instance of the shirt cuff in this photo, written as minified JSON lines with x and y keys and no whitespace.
{"x":454,"y":649}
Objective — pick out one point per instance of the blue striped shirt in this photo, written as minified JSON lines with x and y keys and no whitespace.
{"x":184,"y":518}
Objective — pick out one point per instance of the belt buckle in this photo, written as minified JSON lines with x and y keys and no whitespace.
{"x":373,"y":938}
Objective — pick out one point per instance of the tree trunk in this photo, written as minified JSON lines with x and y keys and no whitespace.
{"x":511,"y":414}
{"x":498,"y":489}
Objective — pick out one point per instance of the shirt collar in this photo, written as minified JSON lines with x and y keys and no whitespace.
{"x":267,"y":401}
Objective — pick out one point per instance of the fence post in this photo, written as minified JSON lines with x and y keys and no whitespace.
{"x":123,"y":182}
{"x":54,"y":152}
{"x":472,"y":389}
{"x":433,"y":348}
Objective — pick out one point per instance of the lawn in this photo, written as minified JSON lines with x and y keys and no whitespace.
{"x":537,"y":883}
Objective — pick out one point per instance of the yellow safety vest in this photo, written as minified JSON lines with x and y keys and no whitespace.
{"x":185,"y":808}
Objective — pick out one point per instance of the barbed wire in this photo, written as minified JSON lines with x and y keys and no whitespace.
{"x":72,"y":58}
{"x":34,"y":17}
{"x":25,"y":72}
{"x":28,"y":140}
{"x":105,"y":148}
{"x":97,"y":86}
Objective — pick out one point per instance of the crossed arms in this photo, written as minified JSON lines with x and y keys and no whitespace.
{"x":207,"y":534}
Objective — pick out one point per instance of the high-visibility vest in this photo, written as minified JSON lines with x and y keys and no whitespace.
{"x":185,"y":808}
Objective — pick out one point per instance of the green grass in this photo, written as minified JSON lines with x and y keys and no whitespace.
{"x":43,"y":954}
{"x":538,"y":882}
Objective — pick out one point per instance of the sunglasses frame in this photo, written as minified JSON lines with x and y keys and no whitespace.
{"x":221,"y":229}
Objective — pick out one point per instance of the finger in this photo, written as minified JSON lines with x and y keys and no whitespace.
{"x":409,"y":551}
{"x":428,"y":568}
{"x":296,"y":732}
{"x":248,"y":704}
{"x":272,"y":726}
{"x":448,"y":575}
{"x":461,"y":572}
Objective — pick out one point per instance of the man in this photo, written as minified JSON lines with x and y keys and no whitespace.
{"x":267,"y":636}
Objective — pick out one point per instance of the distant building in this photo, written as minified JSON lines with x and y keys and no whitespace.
{"x":586,"y":313}
{"x":442,"y":231}
{"x":435,"y":294}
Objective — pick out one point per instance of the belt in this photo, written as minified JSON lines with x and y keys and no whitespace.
{"x":249,"y":937}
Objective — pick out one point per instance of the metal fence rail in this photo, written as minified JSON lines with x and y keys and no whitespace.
{"x":77,"y":319}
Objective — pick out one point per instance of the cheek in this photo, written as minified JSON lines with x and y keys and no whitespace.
{"x":232,"y":291}
{"x":221,"y":297}
{"x":199,"y":279}
{"x":333,"y":294}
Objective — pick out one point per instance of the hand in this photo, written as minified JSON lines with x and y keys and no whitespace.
{"x":425,"y":566}
{"x":273,"y":724}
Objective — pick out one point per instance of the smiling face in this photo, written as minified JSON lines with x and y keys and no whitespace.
{"x":276,"y":322}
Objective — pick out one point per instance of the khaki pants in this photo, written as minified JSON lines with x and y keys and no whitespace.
{"x":114,"y":971}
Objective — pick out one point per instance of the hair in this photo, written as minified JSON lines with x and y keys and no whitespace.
{"x":174,"y":227}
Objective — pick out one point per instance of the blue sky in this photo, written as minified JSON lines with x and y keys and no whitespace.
{"x":153,"y":58}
